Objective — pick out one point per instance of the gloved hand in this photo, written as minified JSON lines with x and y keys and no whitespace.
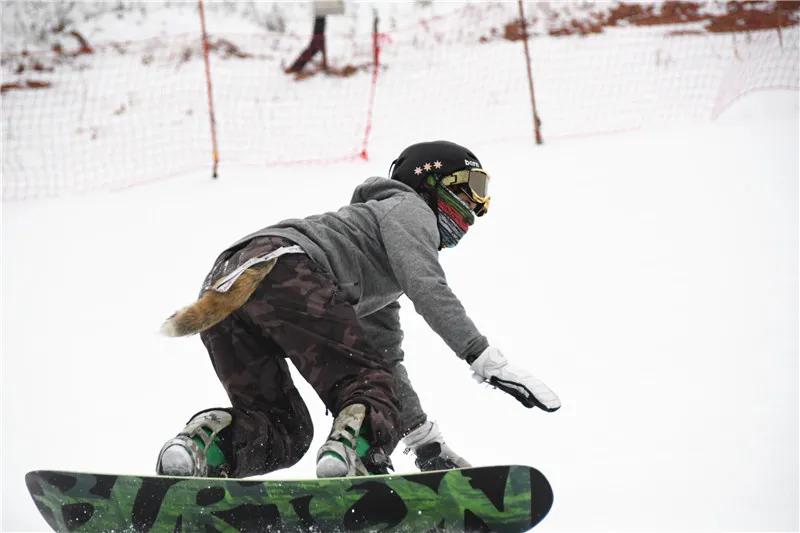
{"x":492,"y":367}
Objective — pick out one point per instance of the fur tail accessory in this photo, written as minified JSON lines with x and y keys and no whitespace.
{"x":214,"y":306}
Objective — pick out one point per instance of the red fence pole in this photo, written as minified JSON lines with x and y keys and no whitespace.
{"x":536,"y":122}
{"x":215,"y":151}
{"x":376,"y":64}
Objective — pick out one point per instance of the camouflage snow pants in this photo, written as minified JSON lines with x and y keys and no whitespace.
{"x":298,"y":313}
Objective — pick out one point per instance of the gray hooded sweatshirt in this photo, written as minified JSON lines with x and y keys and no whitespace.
{"x":385,"y":244}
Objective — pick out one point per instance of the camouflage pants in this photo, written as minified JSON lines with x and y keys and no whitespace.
{"x":299,"y":313}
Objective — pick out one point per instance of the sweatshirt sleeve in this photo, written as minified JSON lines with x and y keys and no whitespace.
{"x":411,"y":237}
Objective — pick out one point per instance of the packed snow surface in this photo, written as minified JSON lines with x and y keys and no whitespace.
{"x":650,"y":278}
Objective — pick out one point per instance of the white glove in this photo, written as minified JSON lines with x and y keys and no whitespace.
{"x":492,"y":367}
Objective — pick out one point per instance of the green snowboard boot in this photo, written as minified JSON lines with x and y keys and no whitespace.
{"x":347,"y":452}
{"x":197,"y":451}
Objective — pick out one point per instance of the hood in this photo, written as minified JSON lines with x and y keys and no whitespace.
{"x":378,"y":188}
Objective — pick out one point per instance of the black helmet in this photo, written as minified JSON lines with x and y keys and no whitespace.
{"x":439,"y":157}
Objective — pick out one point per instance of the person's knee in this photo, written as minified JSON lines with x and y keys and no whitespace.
{"x":300,"y":430}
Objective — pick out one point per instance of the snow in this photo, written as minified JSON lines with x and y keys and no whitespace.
{"x":649,"y":277}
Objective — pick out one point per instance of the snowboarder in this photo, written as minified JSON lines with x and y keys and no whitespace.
{"x":323,"y":292}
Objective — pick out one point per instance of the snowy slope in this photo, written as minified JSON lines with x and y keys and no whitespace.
{"x":650,"y":278}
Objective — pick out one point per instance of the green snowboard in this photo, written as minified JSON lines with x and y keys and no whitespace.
{"x":491,"y":498}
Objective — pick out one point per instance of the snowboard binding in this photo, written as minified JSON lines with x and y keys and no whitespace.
{"x":427,"y":443}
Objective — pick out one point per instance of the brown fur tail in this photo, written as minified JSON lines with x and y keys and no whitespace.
{"x":212,"y":307}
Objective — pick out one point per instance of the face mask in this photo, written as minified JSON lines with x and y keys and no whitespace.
{"x":454,"y":217}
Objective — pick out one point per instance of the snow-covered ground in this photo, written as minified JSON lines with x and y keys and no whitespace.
{"x":650,"y":278}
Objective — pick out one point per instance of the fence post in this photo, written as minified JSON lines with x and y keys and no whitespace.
{"x":215,"y":151}
{"x":376,"y":66}
{"x":536,"y":122}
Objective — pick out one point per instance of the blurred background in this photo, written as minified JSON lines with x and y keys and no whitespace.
{"x":641,"y":255}
{"x":85,"y":79}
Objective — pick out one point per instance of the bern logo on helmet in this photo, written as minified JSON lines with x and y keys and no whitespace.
{"x":471,"y":163}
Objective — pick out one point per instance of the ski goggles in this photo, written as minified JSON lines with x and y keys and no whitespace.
{"x":477,"y":186}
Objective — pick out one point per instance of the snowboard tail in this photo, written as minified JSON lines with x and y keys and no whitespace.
{"x":494,"y":498}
